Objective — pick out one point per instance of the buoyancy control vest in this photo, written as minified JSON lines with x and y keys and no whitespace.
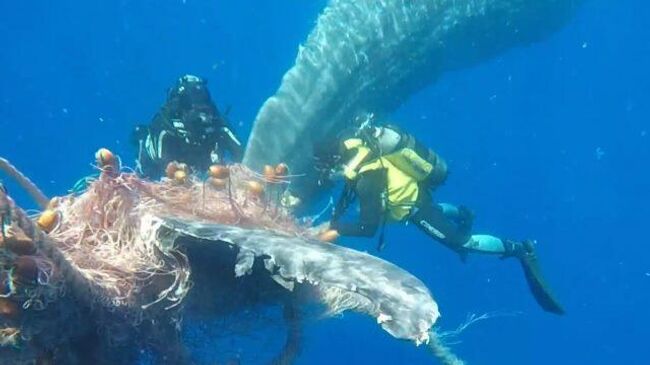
{"x":415,"y":159}
{"x":409,"y":166}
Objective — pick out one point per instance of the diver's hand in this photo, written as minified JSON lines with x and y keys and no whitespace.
{"x":329,"y":235}
{"x":324,"y":232}
{"x":317,"y":230}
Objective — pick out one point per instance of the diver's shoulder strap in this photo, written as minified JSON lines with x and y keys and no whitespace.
{"x":352,"y":167}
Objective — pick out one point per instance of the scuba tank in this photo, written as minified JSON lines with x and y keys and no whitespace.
{"x":407,"y":154}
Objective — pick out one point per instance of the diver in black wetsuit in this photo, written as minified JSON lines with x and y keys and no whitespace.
{"x":188,"y":128}
{"x":392,"y":175}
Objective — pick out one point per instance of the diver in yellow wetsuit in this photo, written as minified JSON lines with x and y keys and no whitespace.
{"x":392,"y":175}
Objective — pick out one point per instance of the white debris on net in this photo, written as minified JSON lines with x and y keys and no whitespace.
{"x":345,"y":279}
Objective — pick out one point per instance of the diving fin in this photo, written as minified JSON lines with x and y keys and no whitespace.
{"x":538,"y":286}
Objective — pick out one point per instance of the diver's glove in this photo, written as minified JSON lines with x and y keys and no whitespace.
{"x":525,"y":252}
{"x":324,"y":232}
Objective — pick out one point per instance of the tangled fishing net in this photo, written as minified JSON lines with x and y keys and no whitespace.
{"x":109,"y":231}
{"x":125,"y":260}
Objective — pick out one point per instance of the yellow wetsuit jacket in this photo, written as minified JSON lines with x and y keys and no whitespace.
{"x":387,"y":186}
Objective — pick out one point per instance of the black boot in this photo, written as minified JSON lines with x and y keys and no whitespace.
{"x":525,"y":252}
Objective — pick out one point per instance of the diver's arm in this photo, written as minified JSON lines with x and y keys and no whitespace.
{"x":232,"y":143}
{"x":226,"y":144}
{"x":146,"y":163}
{"x":369,"y":189}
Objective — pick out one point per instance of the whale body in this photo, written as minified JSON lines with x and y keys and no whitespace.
{"x":370,"y":56}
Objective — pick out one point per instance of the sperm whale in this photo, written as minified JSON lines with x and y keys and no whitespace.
{"x":370,"y":56}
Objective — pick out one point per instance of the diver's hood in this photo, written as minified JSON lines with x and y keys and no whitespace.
{"x":193,"y":116}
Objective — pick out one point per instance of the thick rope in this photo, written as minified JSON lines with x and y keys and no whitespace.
{"x":291,"y":349}
{"x":25,"y":183}
{"x":441,"y":351}
{"x":80,"y":287}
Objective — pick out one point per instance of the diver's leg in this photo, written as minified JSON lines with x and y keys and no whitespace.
{"x":480,"y":243}
{"x":440,"y":225}
{"x":462,"y":216}
{"x":524,"y":251}
{"x":485,"y":243}
{"x":452,"y":226}
{"x":449,"y":210}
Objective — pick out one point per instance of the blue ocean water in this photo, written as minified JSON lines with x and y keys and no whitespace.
{"x":549,"y":141}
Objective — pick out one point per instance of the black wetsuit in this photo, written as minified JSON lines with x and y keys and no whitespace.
{"x":189,"y":128}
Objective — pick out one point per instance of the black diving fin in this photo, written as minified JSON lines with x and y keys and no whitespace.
{"x":538,"y":286}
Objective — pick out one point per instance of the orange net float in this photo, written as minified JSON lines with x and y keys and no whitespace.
{"x":106,"y":161}
{"x":255,"y":188}
{"x":219,"y":172}
{"x":174,"y":169}
{"x":329,"y":235}
{"x":171,"y":169}
{"x":48,"y":220}
{"x":9,"y":309}
{"x":180,"y":177}
{"x":269,"y":173}
{"x":281,"y":169}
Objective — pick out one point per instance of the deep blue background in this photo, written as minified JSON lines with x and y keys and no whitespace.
{"x":550,"y":142}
